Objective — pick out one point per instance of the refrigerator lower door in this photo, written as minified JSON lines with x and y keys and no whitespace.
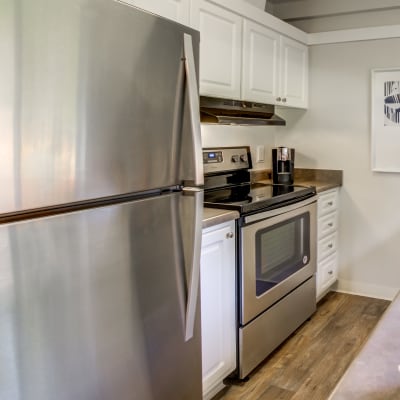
{"x":93,"y":306}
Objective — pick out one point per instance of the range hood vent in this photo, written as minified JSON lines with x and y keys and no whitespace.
{"x":237,"y":112}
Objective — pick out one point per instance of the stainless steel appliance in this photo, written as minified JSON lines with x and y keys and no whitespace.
{"x":237,"y":112}
{"x":283,"y":165}
{"x":276,"y":252}
{"x":101,"y":205}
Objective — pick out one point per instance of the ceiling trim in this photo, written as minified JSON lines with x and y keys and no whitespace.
{"x":354,"y":35}
{"x":304,"y":9}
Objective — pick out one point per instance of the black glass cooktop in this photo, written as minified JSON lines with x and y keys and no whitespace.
{"x":248,"y":198}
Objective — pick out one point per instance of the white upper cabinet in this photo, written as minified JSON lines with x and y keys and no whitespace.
{"x":177,"y":10}
{"x":294,"y":73}
{"x":245,"y":60}
{"x":260,"y":77}
{"x":220,"y":50}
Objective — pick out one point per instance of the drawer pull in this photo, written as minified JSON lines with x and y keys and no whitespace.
{"x":330,"y":272}
{"x":330,"y":203}
{"x":330,"y":245}
{"x":229,"y":235}
{"x":330,"y":224}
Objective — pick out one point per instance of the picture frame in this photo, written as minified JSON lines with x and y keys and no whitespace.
{"x":385,"y":119}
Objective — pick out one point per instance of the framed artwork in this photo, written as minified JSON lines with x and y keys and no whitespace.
{"x":385,"y":120}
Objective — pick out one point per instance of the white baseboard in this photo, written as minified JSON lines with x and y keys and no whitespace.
{"x":365,"y":289}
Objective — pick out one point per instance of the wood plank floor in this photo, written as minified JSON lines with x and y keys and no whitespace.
{"x":308,"y":365}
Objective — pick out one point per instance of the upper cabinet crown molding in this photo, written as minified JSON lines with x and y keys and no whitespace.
{"x":176,"y":10}
{"x":253,"y":13}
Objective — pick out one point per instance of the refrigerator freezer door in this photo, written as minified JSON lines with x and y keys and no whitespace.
{"x":192,"y":172}
{"x":93,"y":101}
{"x":93,"y":306}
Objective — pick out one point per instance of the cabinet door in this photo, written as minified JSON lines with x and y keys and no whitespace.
{"x":327,"y":274}
{"x":177,"y":10}
{"x":218,"y":306}
{"x":260,"y":63}
{"x":220,"y":50}
{"x":327,"y":256}
{"x":294,"y":73}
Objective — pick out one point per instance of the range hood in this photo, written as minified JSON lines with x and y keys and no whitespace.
{"x":236,"y":112}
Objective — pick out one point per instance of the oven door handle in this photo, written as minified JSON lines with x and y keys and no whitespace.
{"x":279,"y":210}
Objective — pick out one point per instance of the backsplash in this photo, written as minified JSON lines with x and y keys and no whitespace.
{"x":230,"y":135}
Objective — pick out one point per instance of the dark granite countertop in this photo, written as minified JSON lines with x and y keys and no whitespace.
{"x":322,"y":179}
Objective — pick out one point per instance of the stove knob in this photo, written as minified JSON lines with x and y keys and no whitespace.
{"x":243,"y":158}
{"x":235,"y":159}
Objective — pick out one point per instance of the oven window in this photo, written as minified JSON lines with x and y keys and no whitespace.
{"x":281,"y":250}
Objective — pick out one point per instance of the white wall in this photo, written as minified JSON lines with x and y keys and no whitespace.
{"x":224,"y":135}
{"x":335,"y":133}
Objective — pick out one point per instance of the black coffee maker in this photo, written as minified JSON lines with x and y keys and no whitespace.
{"x":283,"y":165}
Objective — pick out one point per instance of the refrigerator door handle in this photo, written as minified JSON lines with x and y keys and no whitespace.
{"x":194,"y":260}
{"x":194,"y":109}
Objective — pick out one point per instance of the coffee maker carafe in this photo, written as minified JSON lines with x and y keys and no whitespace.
{"x":283,"y":165}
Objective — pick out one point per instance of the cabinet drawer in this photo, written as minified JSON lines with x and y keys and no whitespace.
{"x":327,"y":273}
{"x":327,"y":246}
{"x":327,"y":224}
{"x":327,"y":202}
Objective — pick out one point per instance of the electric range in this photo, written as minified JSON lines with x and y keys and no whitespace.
{"x":275,"y":252}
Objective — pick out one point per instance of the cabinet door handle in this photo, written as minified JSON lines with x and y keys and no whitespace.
{"x":330,"y":224}
{"x":284,"y":100}
{"x":229,"y":235}
{"x":278,"y":99}
{"x":330,"y":272}
{"x":330,"y":203}
{"x":330,"y":245}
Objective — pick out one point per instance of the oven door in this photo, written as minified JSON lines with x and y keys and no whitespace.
{"x":278,"y":253}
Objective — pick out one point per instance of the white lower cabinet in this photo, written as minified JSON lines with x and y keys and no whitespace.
{"x":218,"y":306}
{"x":327,"y":253}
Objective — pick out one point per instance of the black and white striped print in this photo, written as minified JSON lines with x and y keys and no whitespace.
{"x":392,"y":102}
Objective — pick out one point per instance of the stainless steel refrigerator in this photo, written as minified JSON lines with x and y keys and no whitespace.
{"x":100,"y":205}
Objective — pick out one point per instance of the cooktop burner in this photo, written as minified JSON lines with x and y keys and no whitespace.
{"x":227,"y":183}
{"x":248,"y":198}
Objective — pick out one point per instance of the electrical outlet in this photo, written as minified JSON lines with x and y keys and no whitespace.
{"x":260,"y":153}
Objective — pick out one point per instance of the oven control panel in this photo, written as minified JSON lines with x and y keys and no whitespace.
{"x":226,"y":159}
